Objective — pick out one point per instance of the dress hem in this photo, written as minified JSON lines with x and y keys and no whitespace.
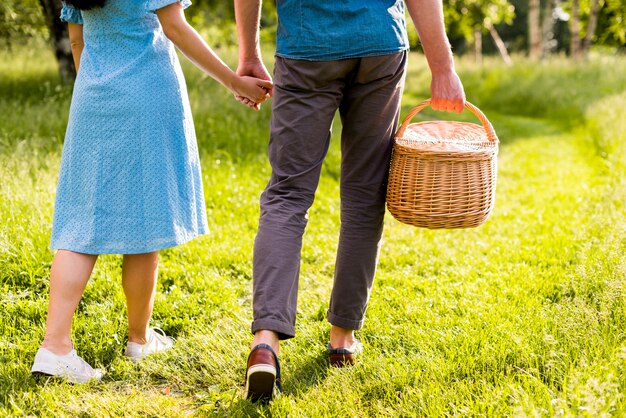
{"x":147,"y":248}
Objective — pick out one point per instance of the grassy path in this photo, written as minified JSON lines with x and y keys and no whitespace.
{"x":524,"y":316}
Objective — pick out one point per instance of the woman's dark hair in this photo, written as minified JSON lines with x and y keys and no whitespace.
{"x":85,"y":4}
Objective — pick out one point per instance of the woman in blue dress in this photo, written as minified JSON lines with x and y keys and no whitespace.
{"x":130,"y":180}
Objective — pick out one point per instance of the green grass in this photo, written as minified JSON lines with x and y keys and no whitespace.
{"x":524,"y":316}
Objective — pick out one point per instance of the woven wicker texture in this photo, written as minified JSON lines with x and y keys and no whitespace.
{"x":443,"y":174}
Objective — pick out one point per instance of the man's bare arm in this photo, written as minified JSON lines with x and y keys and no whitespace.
{"x":247,"y":16}
{"x":446,"y":88}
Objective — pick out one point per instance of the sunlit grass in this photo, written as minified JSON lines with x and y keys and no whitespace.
{"x":522,"y":316}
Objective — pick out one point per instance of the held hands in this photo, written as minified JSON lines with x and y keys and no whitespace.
{"x":447,"y":92}
{"x":252,"y":91}
{"x":254,"y":67}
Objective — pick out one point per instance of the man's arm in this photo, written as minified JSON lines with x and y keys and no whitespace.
{"x":446,"y":88}
{"x":248,"y":15}
{"x":77,"y":42}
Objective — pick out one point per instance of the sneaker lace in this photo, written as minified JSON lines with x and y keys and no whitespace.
{"x":78,"y":365}
{"x":159,"y":335}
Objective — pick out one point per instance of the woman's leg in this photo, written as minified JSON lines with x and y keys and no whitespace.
{"x":139,"y":278}
{"x":68,"y":277}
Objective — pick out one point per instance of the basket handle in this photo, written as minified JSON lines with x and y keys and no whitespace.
{"x":491,"y":134}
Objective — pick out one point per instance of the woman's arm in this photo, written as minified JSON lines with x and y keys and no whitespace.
{"x":76,"y":42}
{"x":190,"y":43}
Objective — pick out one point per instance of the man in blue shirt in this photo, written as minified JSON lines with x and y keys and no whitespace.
{"x":346,"y":55}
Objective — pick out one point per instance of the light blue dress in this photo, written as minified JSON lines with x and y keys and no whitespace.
{"x":130,"y":178}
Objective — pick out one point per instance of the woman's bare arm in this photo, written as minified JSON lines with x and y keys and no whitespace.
{"x":76,"y":42}
{"x":191,"y":44}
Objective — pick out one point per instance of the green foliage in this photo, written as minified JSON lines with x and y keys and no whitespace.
{"x":464,"y":17}
{"x":550,"y":91}
{"x":523,"y":316}
{"x":20,"y":19}
{"x":215,"y":20}
{"x":611,"y":28}
{"x":612,"y":23}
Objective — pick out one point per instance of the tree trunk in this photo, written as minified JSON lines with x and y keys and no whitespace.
{"x":591,"y":27}
{"x":478,"y":46}
{"x":60,"y":39}
{"x":574,"y":43}
{"x":548,"y":43}
{"x":499,"y":44}
{"x":534,"y":29}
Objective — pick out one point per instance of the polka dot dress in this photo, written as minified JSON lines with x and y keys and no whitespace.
{"x":130,"y":178}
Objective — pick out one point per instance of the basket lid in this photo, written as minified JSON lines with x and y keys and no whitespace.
{"x":446,"y":136}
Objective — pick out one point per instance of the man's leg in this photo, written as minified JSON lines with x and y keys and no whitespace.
{"x":306,"y":97}
{"x":369,"y":112}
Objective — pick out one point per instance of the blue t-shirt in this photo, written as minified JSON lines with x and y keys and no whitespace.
{"x":320,"y":30}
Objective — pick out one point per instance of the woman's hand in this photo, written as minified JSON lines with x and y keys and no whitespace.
{"x":252,"y":91}
{"x":254,"y":68}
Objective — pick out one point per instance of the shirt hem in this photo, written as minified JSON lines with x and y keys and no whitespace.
{"x":340,"y":56}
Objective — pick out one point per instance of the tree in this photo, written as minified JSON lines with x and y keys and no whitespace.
{"x":504,"y":53}
{"x":547,"y":27}
{"x":472,"y":18}
{"x":574,"y":42}
{"x":591,"y":26}
{"x":20,"y":20}
{"x":611,"y":30}
{"x":584,"y":21}
{"x":534,"y":31}
{"x":59,"y":39}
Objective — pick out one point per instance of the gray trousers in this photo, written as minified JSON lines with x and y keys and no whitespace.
{"x":307,"y":94}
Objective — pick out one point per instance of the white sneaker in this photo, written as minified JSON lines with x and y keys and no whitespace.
{"x":157,"y":342}
{"x":69,"y":366}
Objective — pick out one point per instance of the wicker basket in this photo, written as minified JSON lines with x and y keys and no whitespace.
{"x":443,"y":174}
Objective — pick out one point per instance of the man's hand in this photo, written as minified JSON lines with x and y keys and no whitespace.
{"x":247,"y":16}
{"x":446,"y":92}
{"x":254,"y":68}
{"x":446,"y":89}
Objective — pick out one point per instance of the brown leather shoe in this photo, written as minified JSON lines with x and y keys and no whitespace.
{"x":341,"y":357}
{"x":263,"y":374}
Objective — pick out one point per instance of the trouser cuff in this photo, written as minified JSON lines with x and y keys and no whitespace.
{"x":343,"y":322}
{"x":283,"y":329}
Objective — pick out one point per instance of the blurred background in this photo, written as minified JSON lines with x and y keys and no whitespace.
{"x":524,"y":316}
{"x":535,"y":28}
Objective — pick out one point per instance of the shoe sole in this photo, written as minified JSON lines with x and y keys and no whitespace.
{"x":341,"y":360}
{"x":260,"y":382}
{"x":134,"y":358}
{"x":138,"y":357}
{"x":45,"y":372}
